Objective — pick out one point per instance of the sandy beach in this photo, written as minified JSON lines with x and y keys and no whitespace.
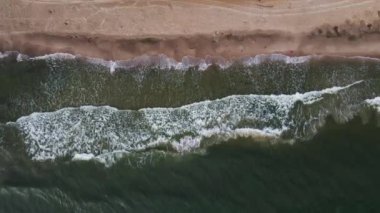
{"x":123,"y":29}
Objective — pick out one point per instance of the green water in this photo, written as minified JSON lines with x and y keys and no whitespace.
{"x":337,"y":171}
{"x":34,"y":86}
{"x":327,"y":159}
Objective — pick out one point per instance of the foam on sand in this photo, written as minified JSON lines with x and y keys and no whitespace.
{"x":249,"y":61}
{"x":3,"y":55}
{"x":162,"y":61}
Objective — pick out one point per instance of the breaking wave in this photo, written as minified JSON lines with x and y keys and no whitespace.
{"x":52,"y":82}
{"x":84,"y":114}
{"x":164,"y":62}
{"x":375,"y":102}
{"x":154,"y":122}
{"x":104,"y":132}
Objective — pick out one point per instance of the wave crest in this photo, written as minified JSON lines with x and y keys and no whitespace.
{"x":164,"y":62}
{"x":105,"y":131}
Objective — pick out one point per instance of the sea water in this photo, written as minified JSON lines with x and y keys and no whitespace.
{"x":269,"y":133}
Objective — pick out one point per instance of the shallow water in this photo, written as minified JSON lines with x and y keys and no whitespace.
{"x":268,"y":134}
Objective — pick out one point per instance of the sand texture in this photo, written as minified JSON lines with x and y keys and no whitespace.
{"x":123,"y":29}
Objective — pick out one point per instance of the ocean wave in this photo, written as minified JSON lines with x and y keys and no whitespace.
{"x":54,"y":56}
{"x":3,"y":55}
{"x":105,"y":132}
{"x":164,"y":62}
{"x":375,"y":102}
{"x":258,"y":59}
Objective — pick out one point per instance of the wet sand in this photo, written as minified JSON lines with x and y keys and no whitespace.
{"x":123,"y":29}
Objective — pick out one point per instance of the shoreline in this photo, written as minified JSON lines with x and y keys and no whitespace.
{"x":227,"y":46}
{"x":162,"y":61}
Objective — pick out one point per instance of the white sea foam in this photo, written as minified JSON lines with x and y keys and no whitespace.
{"x":164,"y":62}
{"x":363,"y":58}
{"x":249,"y":61}
{"x":83,"y":157}
{"x":265,"y":134}
{"x":54,"y":56}
{"x":3,"y":55}
{"x":113,"y":67}
{"x":21,"y":57}
{"x":375,"y":102}
{"x":103,"y":132}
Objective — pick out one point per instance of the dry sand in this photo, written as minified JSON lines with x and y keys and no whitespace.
{"x":123,"y":29}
